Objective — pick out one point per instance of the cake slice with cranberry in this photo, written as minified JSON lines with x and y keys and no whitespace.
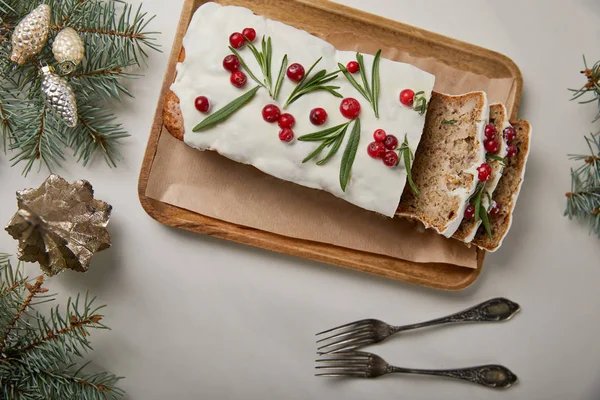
{"x":449,"y":161}
{"x":509,"y":186}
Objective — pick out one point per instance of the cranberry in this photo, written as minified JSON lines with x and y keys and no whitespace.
{"x":271,"y":113}
{"x":238,"y":79}
{"x":231,"y":63}
{"x":352,"y":67}
{"x":391,"y":142}
{"x":490,"y":132}
{"x":390,"y":158}
{"x":495,"y":209}
{"x":491,"y":146}
{"x":249,"y":33}
{"x":512,"y":151}
{"x":407,"y":97}
{"x":379,"y":135}
{"x":295,"y":72}
{"x":202,"y":104}
{"x":510,"y":134}
{"x":376,"y":149}
{"x":318,"y":116}
{"x":236,"y":40}
{"x":484,"y":171}
{"x":286,"y":121}
{"x":286,"y":135}
{"x":350,"y":108}
{"x":470,"y":211}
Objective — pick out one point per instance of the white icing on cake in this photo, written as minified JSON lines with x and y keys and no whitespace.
{"x":465,"y":193}
{"x":246,"y":138}
{"x":491,"y":185}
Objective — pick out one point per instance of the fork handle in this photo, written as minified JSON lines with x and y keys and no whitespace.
{"x":493,"y":310}
{"x":494,"y":376}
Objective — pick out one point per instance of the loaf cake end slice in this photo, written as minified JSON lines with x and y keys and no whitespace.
{"x":507,"y":191}
{"x":446,"y":161}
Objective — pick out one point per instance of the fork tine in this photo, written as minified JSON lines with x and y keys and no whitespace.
{"x":361,"y":329}
{"x":340,"y":368}
{"x":344,"y":361}
{"x":354,"y":374}
{"x":345,"y":349}
{"x":347,"y":341}
{"x":362,"y":321}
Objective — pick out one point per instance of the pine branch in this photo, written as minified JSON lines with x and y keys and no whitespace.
{"x":591,"y":86}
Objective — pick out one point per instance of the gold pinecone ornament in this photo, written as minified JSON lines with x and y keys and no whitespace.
{"x":59,"y":96}
{"x":60,"y":225}
{"x":68,"y":50}
{"x":31,"y":34}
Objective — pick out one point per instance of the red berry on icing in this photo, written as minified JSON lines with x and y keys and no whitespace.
{"x":484,"y":171}
{"x":470,"y":211}
{"x":512,"y":151}
{"x":510,"y":134}
{"x":249,"y":34}
{"x":391,"y":142}
{"x":286,"y":135}
{"x":236,"y":40}
{"x":286,"y":121}
{"x":390,"y":158}
{"x":376,"y":149}
{"x":407,"y":97}
{"x":318,"y":116}
{"x":352,"y":67}
{"x":231,"y":63}
{"x":495,"y":208}
{"x":271,"y":113}
{"x":350,"y":108}
{"x":202,"y":104}
{"x":379,"y":135}
{"x":491,"y":146}
{"x":490,"y":132}
{"x":238,"y":79}
{"x":295,"y":72}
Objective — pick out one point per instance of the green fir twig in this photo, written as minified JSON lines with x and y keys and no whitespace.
{"x":591,"y":86}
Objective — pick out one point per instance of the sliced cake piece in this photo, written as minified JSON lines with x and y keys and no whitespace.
{"x":507,"y":191}
{"x":446,"y":161}
{"x":499,"y":121}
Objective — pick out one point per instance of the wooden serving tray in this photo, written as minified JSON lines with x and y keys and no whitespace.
{"x":323,"y":16}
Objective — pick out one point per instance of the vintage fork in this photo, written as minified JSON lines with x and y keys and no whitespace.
{"x":368,"y":331}
{"x":361,"y":364}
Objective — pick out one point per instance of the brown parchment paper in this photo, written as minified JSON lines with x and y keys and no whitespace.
{"x":211,"y":185}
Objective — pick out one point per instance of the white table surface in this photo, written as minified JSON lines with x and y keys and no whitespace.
{"x":197,"y":317}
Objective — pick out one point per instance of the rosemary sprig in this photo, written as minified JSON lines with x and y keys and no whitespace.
{"x":591,"y":86}
{"x":449,"y":122}
{"x":349,"y":154}
{"x":314,"y":83}
{"x":223,"y":113}
{"x":495,"y":158}
{"x":369,"y":92}
{"x":280,"y":76}
{"x":481,"y":212}
{"x":406,"y":154}
{"x":245,"y":66}
{"x":263,"y":58}
{"x":420,"y":103}
{"x":333,"y":138}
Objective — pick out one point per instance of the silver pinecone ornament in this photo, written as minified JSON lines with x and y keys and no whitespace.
{"x":59,"y":96}
{"x":68,"y":50}
{"x":31,"y":34}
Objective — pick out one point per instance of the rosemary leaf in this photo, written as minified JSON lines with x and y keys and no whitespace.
{"x":375,"y":83}
{"x":477,"y":204}
{"x":313,"y":84}
{"x":336,"y":145}
{"x":408,"y":157}
{"x":319,"y":149}
{"x":353,"y":82}
{"x":300,"y":84}
{"x":280,"y":77}
{"x":245,"y":66}
{"x":316,"y":136}
{"x":349,"y":154}
{"x":495,"y":158}
{"x":269,"y":57}
{"x":485,"y":221}
{"x":363,"y":75}
{"x":449,"y":121}
{"x":223,"y":113}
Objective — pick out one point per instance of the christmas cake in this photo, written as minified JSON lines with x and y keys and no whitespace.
{"x":448,"y":161}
